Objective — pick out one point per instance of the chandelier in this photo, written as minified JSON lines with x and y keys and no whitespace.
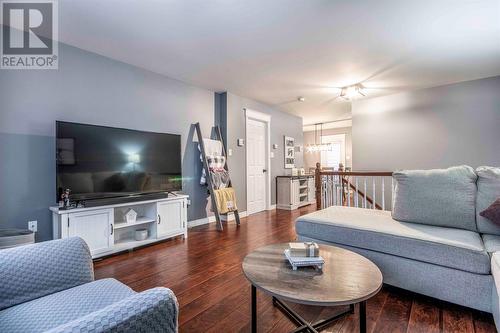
{"x":311,"y":148}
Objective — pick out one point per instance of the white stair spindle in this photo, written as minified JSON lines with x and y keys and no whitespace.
{"x":339,"y":191}
{"x":327,"y":184}
{"x":383,"y":193}
{"x":392,"y":189}
{"x":325,"y":196}
{"x":336,"y":188}
{"x":356,"y":196}
{"x":348,"y":193}
{"x":373,"y":199}
{"x":365,"y":194}
{"x":332,"y":190}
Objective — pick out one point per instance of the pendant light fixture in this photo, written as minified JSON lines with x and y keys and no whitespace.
{"x":311,"y":148}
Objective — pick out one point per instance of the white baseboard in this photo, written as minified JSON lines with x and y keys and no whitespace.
{"x":202,"y":221}
{"x":211,"y":219}
{"x":271,"y":207}
{"x":231,"y":216}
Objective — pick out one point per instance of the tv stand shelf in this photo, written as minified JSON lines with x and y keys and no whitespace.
{"x":106,"y":231}
{"x":138,"y":221}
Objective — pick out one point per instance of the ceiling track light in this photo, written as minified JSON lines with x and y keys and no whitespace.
{"x":350,"y":92}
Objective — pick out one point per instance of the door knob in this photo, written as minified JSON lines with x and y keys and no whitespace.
{"x":264,"y":170}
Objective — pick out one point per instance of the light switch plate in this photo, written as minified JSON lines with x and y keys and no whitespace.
{"x":33,"y":226}
{"x":229,"y":152}
{"x":241,"y":142}
{"x":275,"y":146}
{"x":272,"y":154}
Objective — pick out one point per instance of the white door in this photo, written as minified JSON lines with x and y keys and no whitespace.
{"x":170,"y":218}
{"x":256,"y":166}
{"x":96,"y":229}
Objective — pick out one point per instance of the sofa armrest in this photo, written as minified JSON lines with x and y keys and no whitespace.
{"x":154,"y":310}
{"x":36,"y":270}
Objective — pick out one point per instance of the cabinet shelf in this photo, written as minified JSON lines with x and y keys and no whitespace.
{"x":139,"y":220}
{"x":125,"y":244}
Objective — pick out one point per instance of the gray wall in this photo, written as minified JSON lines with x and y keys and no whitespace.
{"x":430,"y":128}
{"x":87,"y":88}
{"x":311,"y":158}
{"x":281,"y":124}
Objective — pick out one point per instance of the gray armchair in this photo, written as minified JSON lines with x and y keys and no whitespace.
{"x":50,"y":287}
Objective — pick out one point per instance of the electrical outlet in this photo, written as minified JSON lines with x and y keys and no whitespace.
{"x":32,"y":225}
{"x":188,"y":202}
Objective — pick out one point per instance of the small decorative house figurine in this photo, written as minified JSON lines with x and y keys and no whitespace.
{"x":131,"y":216}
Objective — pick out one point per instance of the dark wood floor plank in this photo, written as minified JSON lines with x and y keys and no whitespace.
{"x":424,"y":317}
{"x":190,"y":310}
{"x":457,"y":319}
{"x":374,"y":309}
{"x":395,"y":314}
{"x":483,"y":322}
{"x":216,"y":313}
{"x":205,"y":273}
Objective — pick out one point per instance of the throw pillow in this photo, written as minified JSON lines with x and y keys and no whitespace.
{"x":492,"y":213}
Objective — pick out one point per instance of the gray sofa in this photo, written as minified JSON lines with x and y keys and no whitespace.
{"x":434,"y":241}
{"x":50,"y":287}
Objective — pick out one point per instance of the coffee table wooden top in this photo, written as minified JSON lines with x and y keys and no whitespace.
{"x":346,"y":278}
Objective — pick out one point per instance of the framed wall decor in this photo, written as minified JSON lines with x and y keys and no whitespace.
{"x":289,"y":152}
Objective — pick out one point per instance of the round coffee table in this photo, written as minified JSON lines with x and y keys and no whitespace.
{"x":347,"y":278}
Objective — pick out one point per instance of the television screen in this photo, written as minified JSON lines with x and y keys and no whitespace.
{"x":102,"y":162}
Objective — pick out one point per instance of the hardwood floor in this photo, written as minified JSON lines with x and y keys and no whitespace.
{"x":205,"y":273}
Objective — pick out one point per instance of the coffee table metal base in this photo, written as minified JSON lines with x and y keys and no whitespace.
{"x":302,"y":324}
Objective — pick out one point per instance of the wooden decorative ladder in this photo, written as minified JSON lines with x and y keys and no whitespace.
{"x":208,"y":177}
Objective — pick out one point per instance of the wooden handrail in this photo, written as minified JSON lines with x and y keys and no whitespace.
{"x":357,"y":173}
{"x":343,"y":175}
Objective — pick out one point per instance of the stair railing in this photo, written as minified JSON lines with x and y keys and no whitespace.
{"x":353,"y":189}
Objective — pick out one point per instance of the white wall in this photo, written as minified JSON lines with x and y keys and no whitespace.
{"x":429,"y":128}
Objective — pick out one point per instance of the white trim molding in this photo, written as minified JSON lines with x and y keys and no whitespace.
{"x":266,"y":118}
{"x":257,"y":115}
{"x":211,"y":219}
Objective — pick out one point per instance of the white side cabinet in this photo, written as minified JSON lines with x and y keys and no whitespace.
{"x":294,"y":191}
{"x":171,"y":218}
{"x":106,"y":229}
{"x":95,"y":227}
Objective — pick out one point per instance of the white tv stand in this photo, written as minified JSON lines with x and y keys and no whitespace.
{"x":106,"y":231}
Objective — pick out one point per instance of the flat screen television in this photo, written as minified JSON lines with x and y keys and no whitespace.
{"x":96,"y":162}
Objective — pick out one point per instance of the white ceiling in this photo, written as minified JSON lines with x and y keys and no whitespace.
{"x":276,"y":50}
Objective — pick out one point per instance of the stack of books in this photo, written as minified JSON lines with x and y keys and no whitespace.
{"x":304,"y":254}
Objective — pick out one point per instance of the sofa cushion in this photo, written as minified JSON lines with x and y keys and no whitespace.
{"x":376,"y":230}
{"x":491,"y":243}
{"x":495,"y":269}
{"x":440,"y":197}
{"x":53,"y":310}
{"x":488,"y":190}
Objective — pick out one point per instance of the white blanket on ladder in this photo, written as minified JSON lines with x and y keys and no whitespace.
{"x":212,"y":148}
